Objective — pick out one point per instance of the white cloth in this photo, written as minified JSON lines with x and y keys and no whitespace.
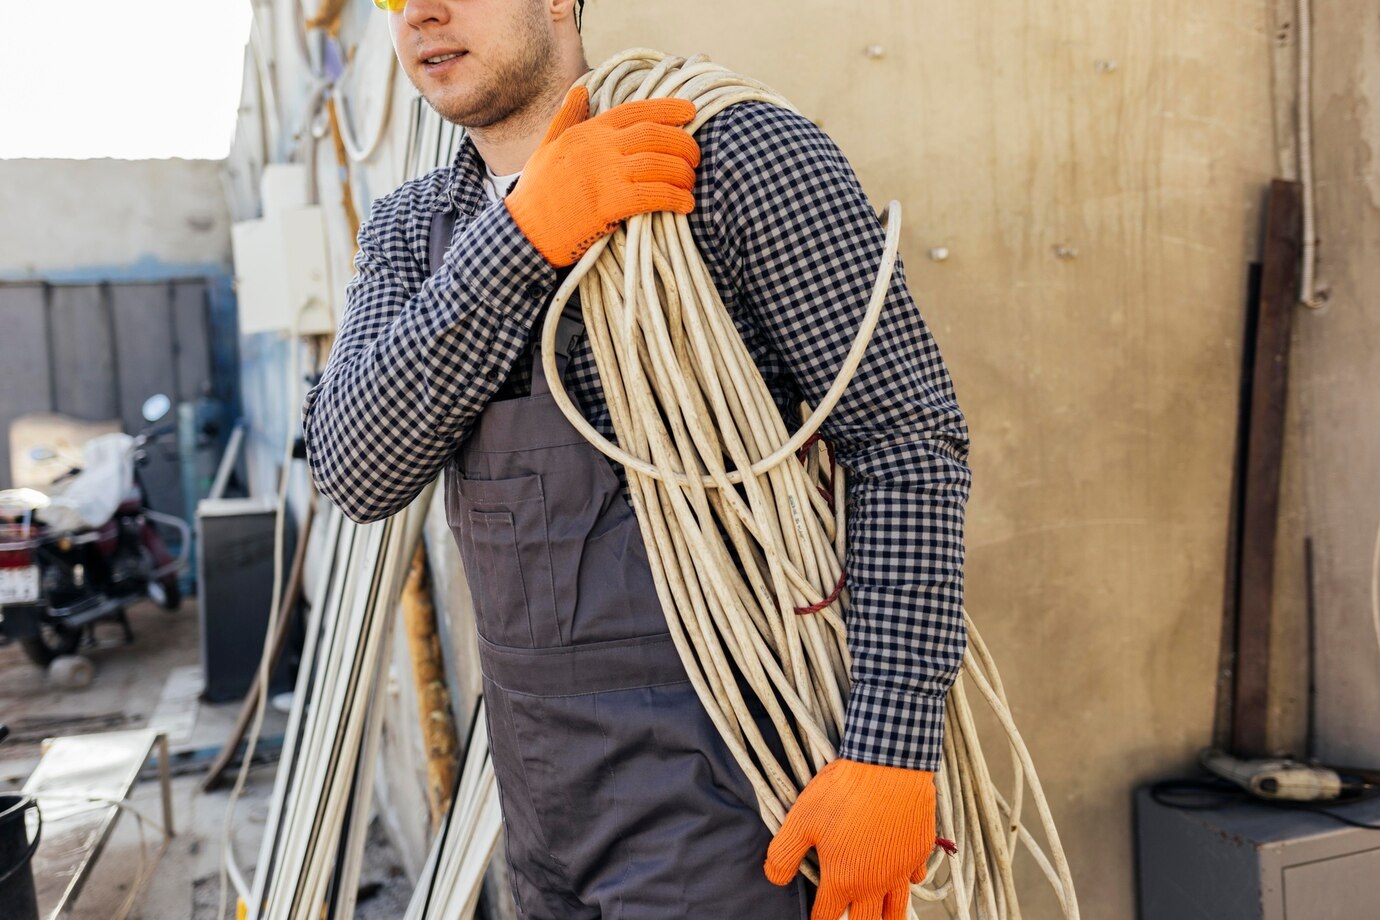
{"x":498,"y":187}
{"x":90,"y":498}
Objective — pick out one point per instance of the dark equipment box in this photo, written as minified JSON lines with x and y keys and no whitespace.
{"x":234,"y":592}
{"x":1254,"y":861}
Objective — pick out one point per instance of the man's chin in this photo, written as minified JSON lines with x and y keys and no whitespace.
{"x":460,"y":112}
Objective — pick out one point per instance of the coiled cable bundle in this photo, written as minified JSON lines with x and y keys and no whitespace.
{"x":744,"y":522}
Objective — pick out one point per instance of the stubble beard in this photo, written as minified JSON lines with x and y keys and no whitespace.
{"x":509,"y":91}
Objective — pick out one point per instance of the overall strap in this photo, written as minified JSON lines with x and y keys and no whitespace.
{"x":568,"y":333}
{"x":569,"y":330}
{"x":438,"y":241}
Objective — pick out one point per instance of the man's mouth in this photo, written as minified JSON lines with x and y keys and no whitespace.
{"x":440,"y":58}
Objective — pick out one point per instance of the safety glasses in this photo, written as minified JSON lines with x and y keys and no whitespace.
{"x":392,"y":6}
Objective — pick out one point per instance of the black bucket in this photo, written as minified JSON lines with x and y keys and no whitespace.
{"x":17,"y":898}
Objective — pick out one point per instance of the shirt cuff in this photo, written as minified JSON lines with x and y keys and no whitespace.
{"x":501,"y":265}
{"x":894,"y":728}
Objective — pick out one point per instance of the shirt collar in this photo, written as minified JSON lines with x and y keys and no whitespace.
{"x":462,"y":184}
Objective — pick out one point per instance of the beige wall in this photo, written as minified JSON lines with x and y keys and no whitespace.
{"x":1095,"y":170}
{"x":56,"y":215}
{"x":1101,"y":389}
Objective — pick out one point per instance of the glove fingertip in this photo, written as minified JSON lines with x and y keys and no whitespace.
{"x":684,"y":111}
{"x":573,"y":110}
{"x":662,"y":196}
{"x":894,"y":907}
{"x":578,"y":96}
{"x":780,"y":869}
{"x":777,"y":874}
{"x":684,"y":204}
{"x":671,"y":112}
{"x":870,"y":909}
{"x":829,"y":904}
{"x":785,"y":852}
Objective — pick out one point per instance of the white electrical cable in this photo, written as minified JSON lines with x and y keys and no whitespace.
{"x":737,"y":557}
{"x":363,"y":153}
{"x":333,"y":727}
{"x":229,"y":867}
{"x":337,"y":541}
{"x":1309,"y":294}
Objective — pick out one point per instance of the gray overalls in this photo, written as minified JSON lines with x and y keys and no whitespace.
{"x":620,"y":800}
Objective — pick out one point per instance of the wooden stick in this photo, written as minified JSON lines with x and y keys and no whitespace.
{"x":433,"y":697}
{"x":1263,"y":460}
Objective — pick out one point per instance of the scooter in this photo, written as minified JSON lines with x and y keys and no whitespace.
{"x":87,"y":547}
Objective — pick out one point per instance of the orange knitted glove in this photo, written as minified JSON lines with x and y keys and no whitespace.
{"x":588,"y":176}
{"x":873,"y":828}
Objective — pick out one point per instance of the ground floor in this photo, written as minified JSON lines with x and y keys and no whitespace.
{"x":154,"y":682}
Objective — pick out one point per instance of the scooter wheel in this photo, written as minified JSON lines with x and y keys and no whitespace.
{"x":166,"y":594}
{"x":52,"y":640}
{"x":71,"y":672}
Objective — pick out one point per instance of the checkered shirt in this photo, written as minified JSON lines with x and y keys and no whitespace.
{"x":794,"y":247}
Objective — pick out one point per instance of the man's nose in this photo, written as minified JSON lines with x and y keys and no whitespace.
{"x":418,"y":12}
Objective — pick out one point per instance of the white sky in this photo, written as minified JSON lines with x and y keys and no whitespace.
{"x":108,"y":78}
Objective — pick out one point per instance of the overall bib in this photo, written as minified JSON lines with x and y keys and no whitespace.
{"x":620,"y":800}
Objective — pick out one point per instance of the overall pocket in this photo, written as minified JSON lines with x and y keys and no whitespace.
{"x":500,"y":528}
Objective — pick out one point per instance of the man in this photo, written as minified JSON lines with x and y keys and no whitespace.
{"x":619,"y":799}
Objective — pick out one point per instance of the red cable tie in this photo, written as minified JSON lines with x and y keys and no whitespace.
{"x":801,"y":455}
{"x":948,"y":846}
{"x":816,"y":608}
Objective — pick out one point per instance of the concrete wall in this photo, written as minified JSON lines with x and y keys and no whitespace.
{"x":56,"y":215}
{"x":1331,"y":459}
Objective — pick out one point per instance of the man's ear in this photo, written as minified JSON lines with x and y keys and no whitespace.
{"x":561,"y":9}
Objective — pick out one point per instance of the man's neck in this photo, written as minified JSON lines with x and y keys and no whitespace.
{"x":505,"y":147}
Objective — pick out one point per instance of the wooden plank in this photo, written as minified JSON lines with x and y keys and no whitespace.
{"x":85,"y":382}
{"x":24,"y":356}
{"x":1264,"y":456}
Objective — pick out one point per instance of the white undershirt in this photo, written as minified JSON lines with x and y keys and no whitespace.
{"x":497,"y":187}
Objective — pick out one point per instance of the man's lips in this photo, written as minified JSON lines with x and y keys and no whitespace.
{"x":435,"y":57}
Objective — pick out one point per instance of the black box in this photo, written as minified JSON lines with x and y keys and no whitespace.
{"x":235,"y":591}
{"x":1252,"y":861}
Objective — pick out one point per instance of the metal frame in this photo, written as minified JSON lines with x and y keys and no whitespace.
{"x":66,"y":775}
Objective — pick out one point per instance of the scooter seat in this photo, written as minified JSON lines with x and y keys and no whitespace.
{"x":21,"y":502}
